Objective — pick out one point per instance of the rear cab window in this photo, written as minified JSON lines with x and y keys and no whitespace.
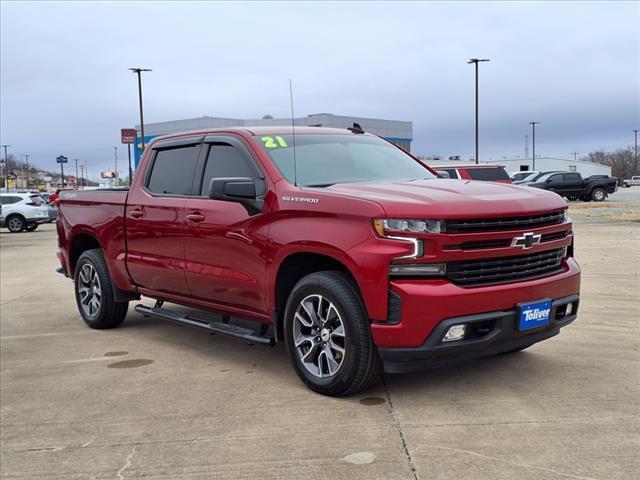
{"x":173,"y":170}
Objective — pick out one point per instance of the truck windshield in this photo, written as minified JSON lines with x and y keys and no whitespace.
{"x":323,"y":160}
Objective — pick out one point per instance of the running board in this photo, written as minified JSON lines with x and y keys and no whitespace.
{"x":223,"y":328}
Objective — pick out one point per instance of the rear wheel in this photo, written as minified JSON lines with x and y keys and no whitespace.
{"x":16,"y":223}
{"x":598,"y":195}
{"x":327,"y":335}
{"x":94,"y":292}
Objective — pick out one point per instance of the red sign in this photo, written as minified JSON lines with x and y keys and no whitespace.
{"x":128,"y":135}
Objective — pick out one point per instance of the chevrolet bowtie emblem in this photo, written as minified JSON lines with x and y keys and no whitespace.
{"x":526,"y":241}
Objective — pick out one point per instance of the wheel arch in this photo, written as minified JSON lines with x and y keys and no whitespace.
{"x":295,"y":266}
{"x":80,"y":243}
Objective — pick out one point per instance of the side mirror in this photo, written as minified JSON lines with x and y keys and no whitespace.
{"x":236,"y":189}
{"x":443,"y":174}
{"x":548,"y":180}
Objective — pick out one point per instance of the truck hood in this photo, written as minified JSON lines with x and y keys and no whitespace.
{"x":452,"y":199}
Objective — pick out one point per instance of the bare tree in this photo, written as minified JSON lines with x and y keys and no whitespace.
{"x":623,"y":162}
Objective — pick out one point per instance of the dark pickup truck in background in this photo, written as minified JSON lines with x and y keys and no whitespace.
{"x":571,"y":185}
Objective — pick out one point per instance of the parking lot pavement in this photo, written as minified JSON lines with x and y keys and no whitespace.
{"x":155,"y":400}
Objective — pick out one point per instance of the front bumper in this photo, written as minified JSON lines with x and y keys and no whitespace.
{"x":497,"y":332}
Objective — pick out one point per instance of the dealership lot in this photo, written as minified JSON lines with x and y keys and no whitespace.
{"x":155,"y":400}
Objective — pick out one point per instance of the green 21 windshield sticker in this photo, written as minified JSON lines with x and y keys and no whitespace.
{"x":270,"y":142}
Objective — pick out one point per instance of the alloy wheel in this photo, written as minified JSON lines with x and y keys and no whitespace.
{"x":89,"y":290}
{"x":319,"y":336}
{"x":15,"y":224}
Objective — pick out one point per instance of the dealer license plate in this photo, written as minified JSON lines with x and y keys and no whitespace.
{"x":534,"y":314}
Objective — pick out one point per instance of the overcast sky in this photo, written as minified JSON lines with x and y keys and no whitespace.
{"x":573,"y":66}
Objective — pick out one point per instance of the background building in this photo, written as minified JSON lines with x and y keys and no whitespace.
{"x":543,"y":164}
{"x":399,"y":132}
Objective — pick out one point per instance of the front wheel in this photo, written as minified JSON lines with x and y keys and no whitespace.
{"x":598,"y":195}
{"x":16,"y":223}
{"x":94,"y":292}
{"x":327,"y":335}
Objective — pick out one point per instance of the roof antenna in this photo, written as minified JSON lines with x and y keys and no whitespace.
{"x":293,"y":130}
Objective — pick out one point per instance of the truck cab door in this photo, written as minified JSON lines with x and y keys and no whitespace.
{"x":555,"y":183}
{"x":155,"y":217}
{"x":224,"y":242}
{"x":573,"y":184}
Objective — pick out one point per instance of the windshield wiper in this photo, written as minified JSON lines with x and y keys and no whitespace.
{"x":320,"y":185}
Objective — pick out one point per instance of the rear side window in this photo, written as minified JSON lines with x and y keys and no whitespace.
{"x":37,"y":199}
{"x":173,"y":170}
{"x":488,"y":174}
{"x":572,"y":177}
{"x":224,"y":161}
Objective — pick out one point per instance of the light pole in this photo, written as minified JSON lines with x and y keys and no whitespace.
{"x":26,"y":155}
{"x":76,"y":160}
{"x":476,"y":61}
{"x":115,"y":177}
{"x":635,"y":150}
{"x":139,"y":71}
{"x":6,"y":167}
{"x":575,"y":156}
{"x":533,"y":143}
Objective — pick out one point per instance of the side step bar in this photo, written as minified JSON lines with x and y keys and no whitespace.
{"x":223,"y":328}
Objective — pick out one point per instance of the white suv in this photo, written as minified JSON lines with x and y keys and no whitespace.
{"x":22,"y":211}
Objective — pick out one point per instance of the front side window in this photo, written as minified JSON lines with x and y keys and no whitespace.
{"x":173,"y":170}
{"x":488,"y":174}
{"x":326,"y":159}
{"x":224,"y":161}
{"x":555,"y":178}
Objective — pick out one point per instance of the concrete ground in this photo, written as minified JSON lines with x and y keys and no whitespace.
{"x":154,"y":400}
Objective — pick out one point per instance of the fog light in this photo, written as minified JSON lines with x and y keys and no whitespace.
{"x":455,"y":333}
{"x":569,"y":309}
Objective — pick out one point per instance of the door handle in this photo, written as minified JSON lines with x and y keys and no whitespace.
{"x":196,"y":217}
{"x":136,"y":213}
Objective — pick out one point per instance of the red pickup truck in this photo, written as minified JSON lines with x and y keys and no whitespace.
{"x":337,"y":243}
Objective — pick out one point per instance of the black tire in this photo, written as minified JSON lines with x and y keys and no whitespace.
{"x":598,"y":195}
{"x":32,"y":227}
{"x":15,"y":223}
{"x":109,"y":313}
{"x":360,"y":365}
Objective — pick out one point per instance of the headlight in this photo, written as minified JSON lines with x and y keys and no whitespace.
{"x":398,"y":228}
{"x":386,"y":227}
